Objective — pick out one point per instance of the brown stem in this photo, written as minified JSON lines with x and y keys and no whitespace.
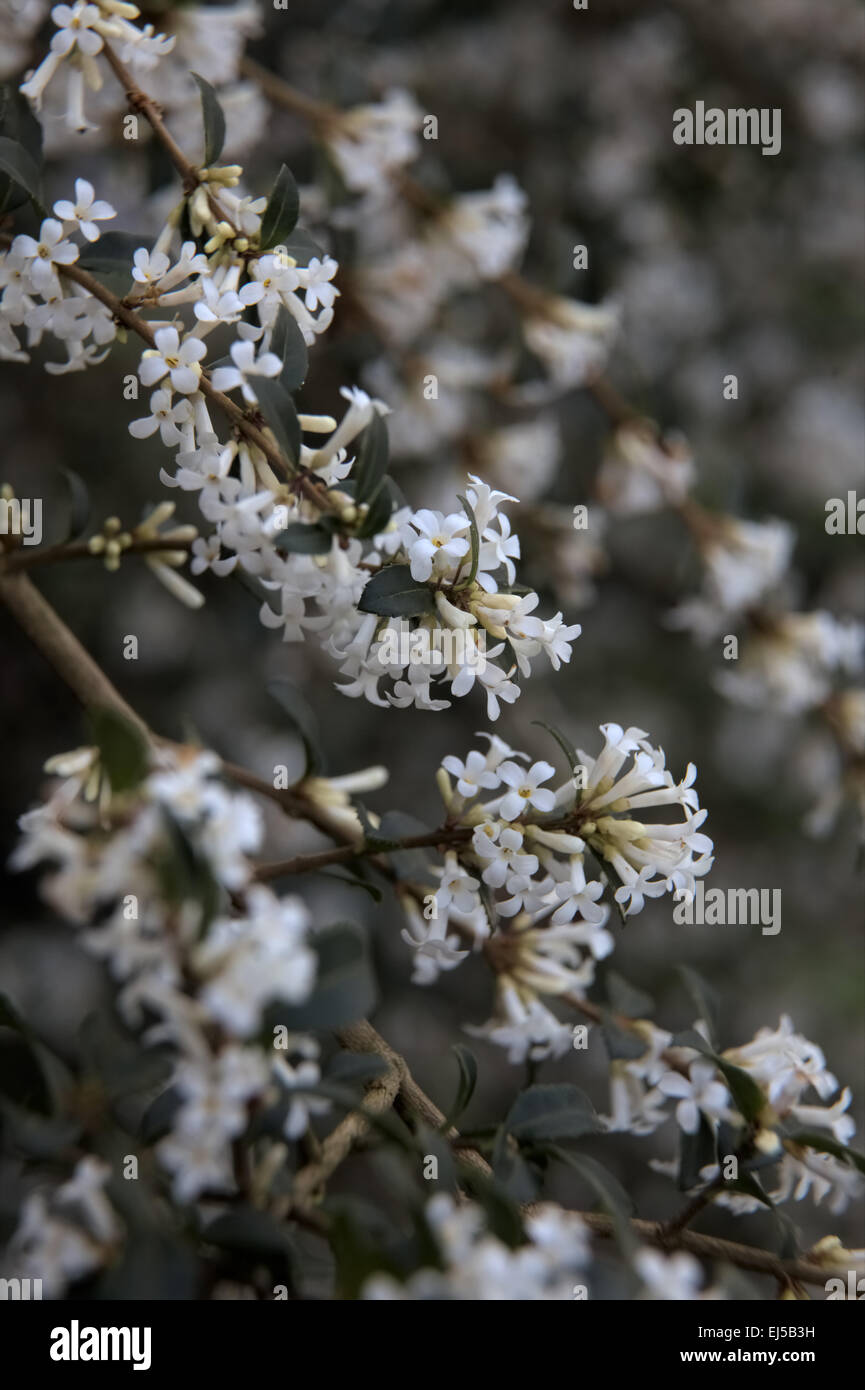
{"x":313,"y":490}
{"x":17,"y":560}
{"x":152,"y":113}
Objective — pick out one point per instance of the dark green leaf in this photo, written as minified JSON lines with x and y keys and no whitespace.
{"x":559,"y":1111}
{"x":306,"y":538}
{"x":288,"y":344}
{"x":19,"y":168}
{"x":748,"y":1096}
{"x":394,"y":594}
{"x":305,"y":724}
{"x":249,"y":1231}
{"x":372,"y":459}
{"x":79,"y":504}
{"x":158,"y":1118}
{"x":37,"y":1136}
{"x":123,"y":1066}
{"x":613,"y":1197}
{"x":122,"y":749}
{"x":280,"y":215}
{"x":18,"y":124}
{"x":748,"y":1185}
{"x":379,"y":514}
{"x":705,"y":999}
{"x":184,"y":872}
{"x":697,"y":1151}
{"x":475,"y":543}
{"x":468,"y":1079}
{"x":626,"y":999}
{"x":214,"y":121}
{"x":345,"y":988}
{"x":824,"y":1144}
{"x":280,"y":413}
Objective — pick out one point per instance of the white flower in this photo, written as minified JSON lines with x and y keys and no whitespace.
{"x":526,"y":789}
{"x":698,"y":1093}
{"x":179,"y":360}
{"x":49,"y":251}
{"x":432,"y":542}
{"x":668,"y":1277}
{"x":84,"y":213}
{"x":165,"y":417}
{"x":473,"y":775}
{"x":246,"y":365}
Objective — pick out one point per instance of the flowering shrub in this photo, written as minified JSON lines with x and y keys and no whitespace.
{"x":209,"y":1082}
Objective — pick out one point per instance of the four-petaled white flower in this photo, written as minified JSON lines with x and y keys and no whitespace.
{"x":526,"y":789}
{"x":165,"y":417}
{"x":86,"y":211}
{"x":179,"y":360}
{"x":472,"y":775}
{"x":51,"y":250}
{"x":698,"y":1093}
{"x":246,"y":365}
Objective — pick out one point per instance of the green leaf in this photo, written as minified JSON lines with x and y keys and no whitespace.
{"x":287,"y":342}
{"x":123,"y":751}
{"x":123,"y":1066}
{"x":748,"y":1185}
{"x":559,"y":1111}
{"x":37,"y":1136}
{"x":564,"y":743}
{"x":697,"y":1151}
{"x":626,"y":998}
{"x":19,"y":168}
{"x":748,"y":1096}
{"x":306,"y":538}
{"x":18,"y":124}
{"x":280,"y":413}
{"x":184,"y":872}
{"x":214,"y":121}
{"x":379,"y":514}
{"x":475,"y":543}
{"x":824,"y":1144}
{"x":158,"y":1118}
{"x":245,"y":1230}
{"x":612,"y":1196}
{"x":394,"y":594}
{"x":280,"y":215}
{"x":468,"y":1079}
{"x":502,"y":1212}
{"x":79,"y":504}
{"x":304,"y":722}
{"x":345,"y":989}
{"x":704,"y":997}
{"x":372,"y":459}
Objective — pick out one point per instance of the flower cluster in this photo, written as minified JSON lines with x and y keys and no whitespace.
{"x":784,"y":1124}
{"x":192,"y":974}
{"x":519,"y":880}
{"x":477,"y":1266}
